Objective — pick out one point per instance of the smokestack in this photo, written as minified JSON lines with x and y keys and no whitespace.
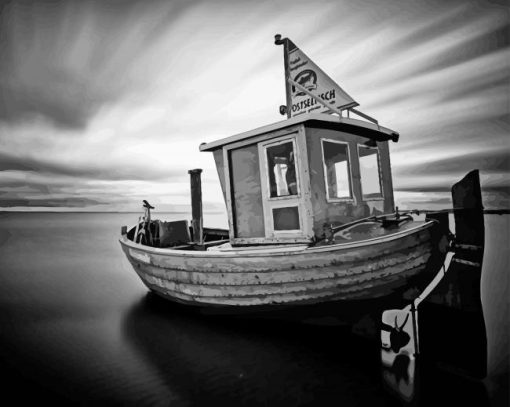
{"x":196,"y":206}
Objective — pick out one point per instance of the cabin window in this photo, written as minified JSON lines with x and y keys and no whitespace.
{"x":281,"y":169}
{"x":337,"y":169}
{"x":286,"y":218}
{"x":369,"y":172}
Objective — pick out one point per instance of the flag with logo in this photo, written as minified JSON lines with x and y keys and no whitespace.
{"x":309,"y":89}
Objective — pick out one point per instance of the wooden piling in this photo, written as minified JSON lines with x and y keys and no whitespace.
{"x":452,"y":324}
{"x":196,"y":206}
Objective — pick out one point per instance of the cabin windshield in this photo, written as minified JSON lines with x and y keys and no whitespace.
{"x":336,"y":168}
{"x":369,"y":172}
{"x":281,"y":169}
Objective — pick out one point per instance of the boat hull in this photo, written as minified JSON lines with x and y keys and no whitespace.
{"x":380,"y":270}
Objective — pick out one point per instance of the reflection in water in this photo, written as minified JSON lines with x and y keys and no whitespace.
{"x":77,"y":327}
{"x":232,"y":362}
{"x":398,"y":352}
{"x":400,"y":376}
{"x":208,"y":361}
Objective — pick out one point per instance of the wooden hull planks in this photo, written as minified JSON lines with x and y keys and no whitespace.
{"x":373,"y":268}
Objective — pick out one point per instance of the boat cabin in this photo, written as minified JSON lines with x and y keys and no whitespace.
{"x":290,"y":181}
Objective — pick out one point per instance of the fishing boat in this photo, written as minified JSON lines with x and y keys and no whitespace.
{"x":312,"y":237}
{"x":313,"y":227}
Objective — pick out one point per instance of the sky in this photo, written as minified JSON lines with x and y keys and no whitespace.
{"x":105,"y":103}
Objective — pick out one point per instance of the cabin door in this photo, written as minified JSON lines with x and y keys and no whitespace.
{"x":283,"y":189}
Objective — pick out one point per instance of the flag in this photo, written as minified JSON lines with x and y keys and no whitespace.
{"x":309,"y":89}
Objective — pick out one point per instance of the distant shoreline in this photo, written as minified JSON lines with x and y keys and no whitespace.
{"x":126,"y":212}
{"x":485,"y":211}
{"x":496,"y":211}
{"x":504,"y":211}
{"x":118,"y":212}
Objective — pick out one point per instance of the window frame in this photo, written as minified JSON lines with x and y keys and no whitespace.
{"x":349,"y":170}
{"x":379,"y":171}
{"x":265,"y":146}
{"x":284,"y":232}
{"x":299,"y":200}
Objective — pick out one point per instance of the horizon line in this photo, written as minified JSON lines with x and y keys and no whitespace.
{"x":486,"y":211}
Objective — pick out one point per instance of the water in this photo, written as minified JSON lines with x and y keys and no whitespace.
{"x":78,"y":327}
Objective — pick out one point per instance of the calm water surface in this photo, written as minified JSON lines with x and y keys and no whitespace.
{"x":78,"y":327}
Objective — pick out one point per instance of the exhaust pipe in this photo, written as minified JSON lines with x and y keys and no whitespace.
{"x":196,"y":206}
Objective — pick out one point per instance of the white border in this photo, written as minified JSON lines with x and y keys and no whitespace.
{"x":379,"y":172}
{"x":268,"y":202}
{"x":349,"y":170}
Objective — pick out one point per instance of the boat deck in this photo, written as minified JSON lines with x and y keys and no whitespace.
{"x":370,"y":230}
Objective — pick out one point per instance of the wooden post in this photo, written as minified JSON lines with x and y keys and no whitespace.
{"x":451,"y":318}
{"x":196,"y":205}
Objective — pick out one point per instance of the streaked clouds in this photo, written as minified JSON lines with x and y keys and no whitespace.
{"x":104,"y":103}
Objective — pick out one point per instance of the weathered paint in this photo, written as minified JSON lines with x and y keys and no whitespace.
{"x":344,"y":210}
{"x":341,"y":271}
{"x":331,"y":290}
{"x":301,"y":200}
{"x":315,"y":209}
{"x":140,"y":256}
{"x":229,"y":187}
{"x":246,"y":191}
{"x":218,"y":159}
{"x":350,"y":272}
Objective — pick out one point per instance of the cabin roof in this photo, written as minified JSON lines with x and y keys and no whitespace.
{"x":359,"y":127}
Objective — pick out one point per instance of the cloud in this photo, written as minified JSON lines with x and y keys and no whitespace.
{"x":487,"y":161}
{"x":65,"y":60}
{"x":92,"y":170}
{"x":70,"y":202}
{"x":446,"y":187}
{"x":440,"y":198}
{"x":109,"y":100}
{"x":21,"y":188}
